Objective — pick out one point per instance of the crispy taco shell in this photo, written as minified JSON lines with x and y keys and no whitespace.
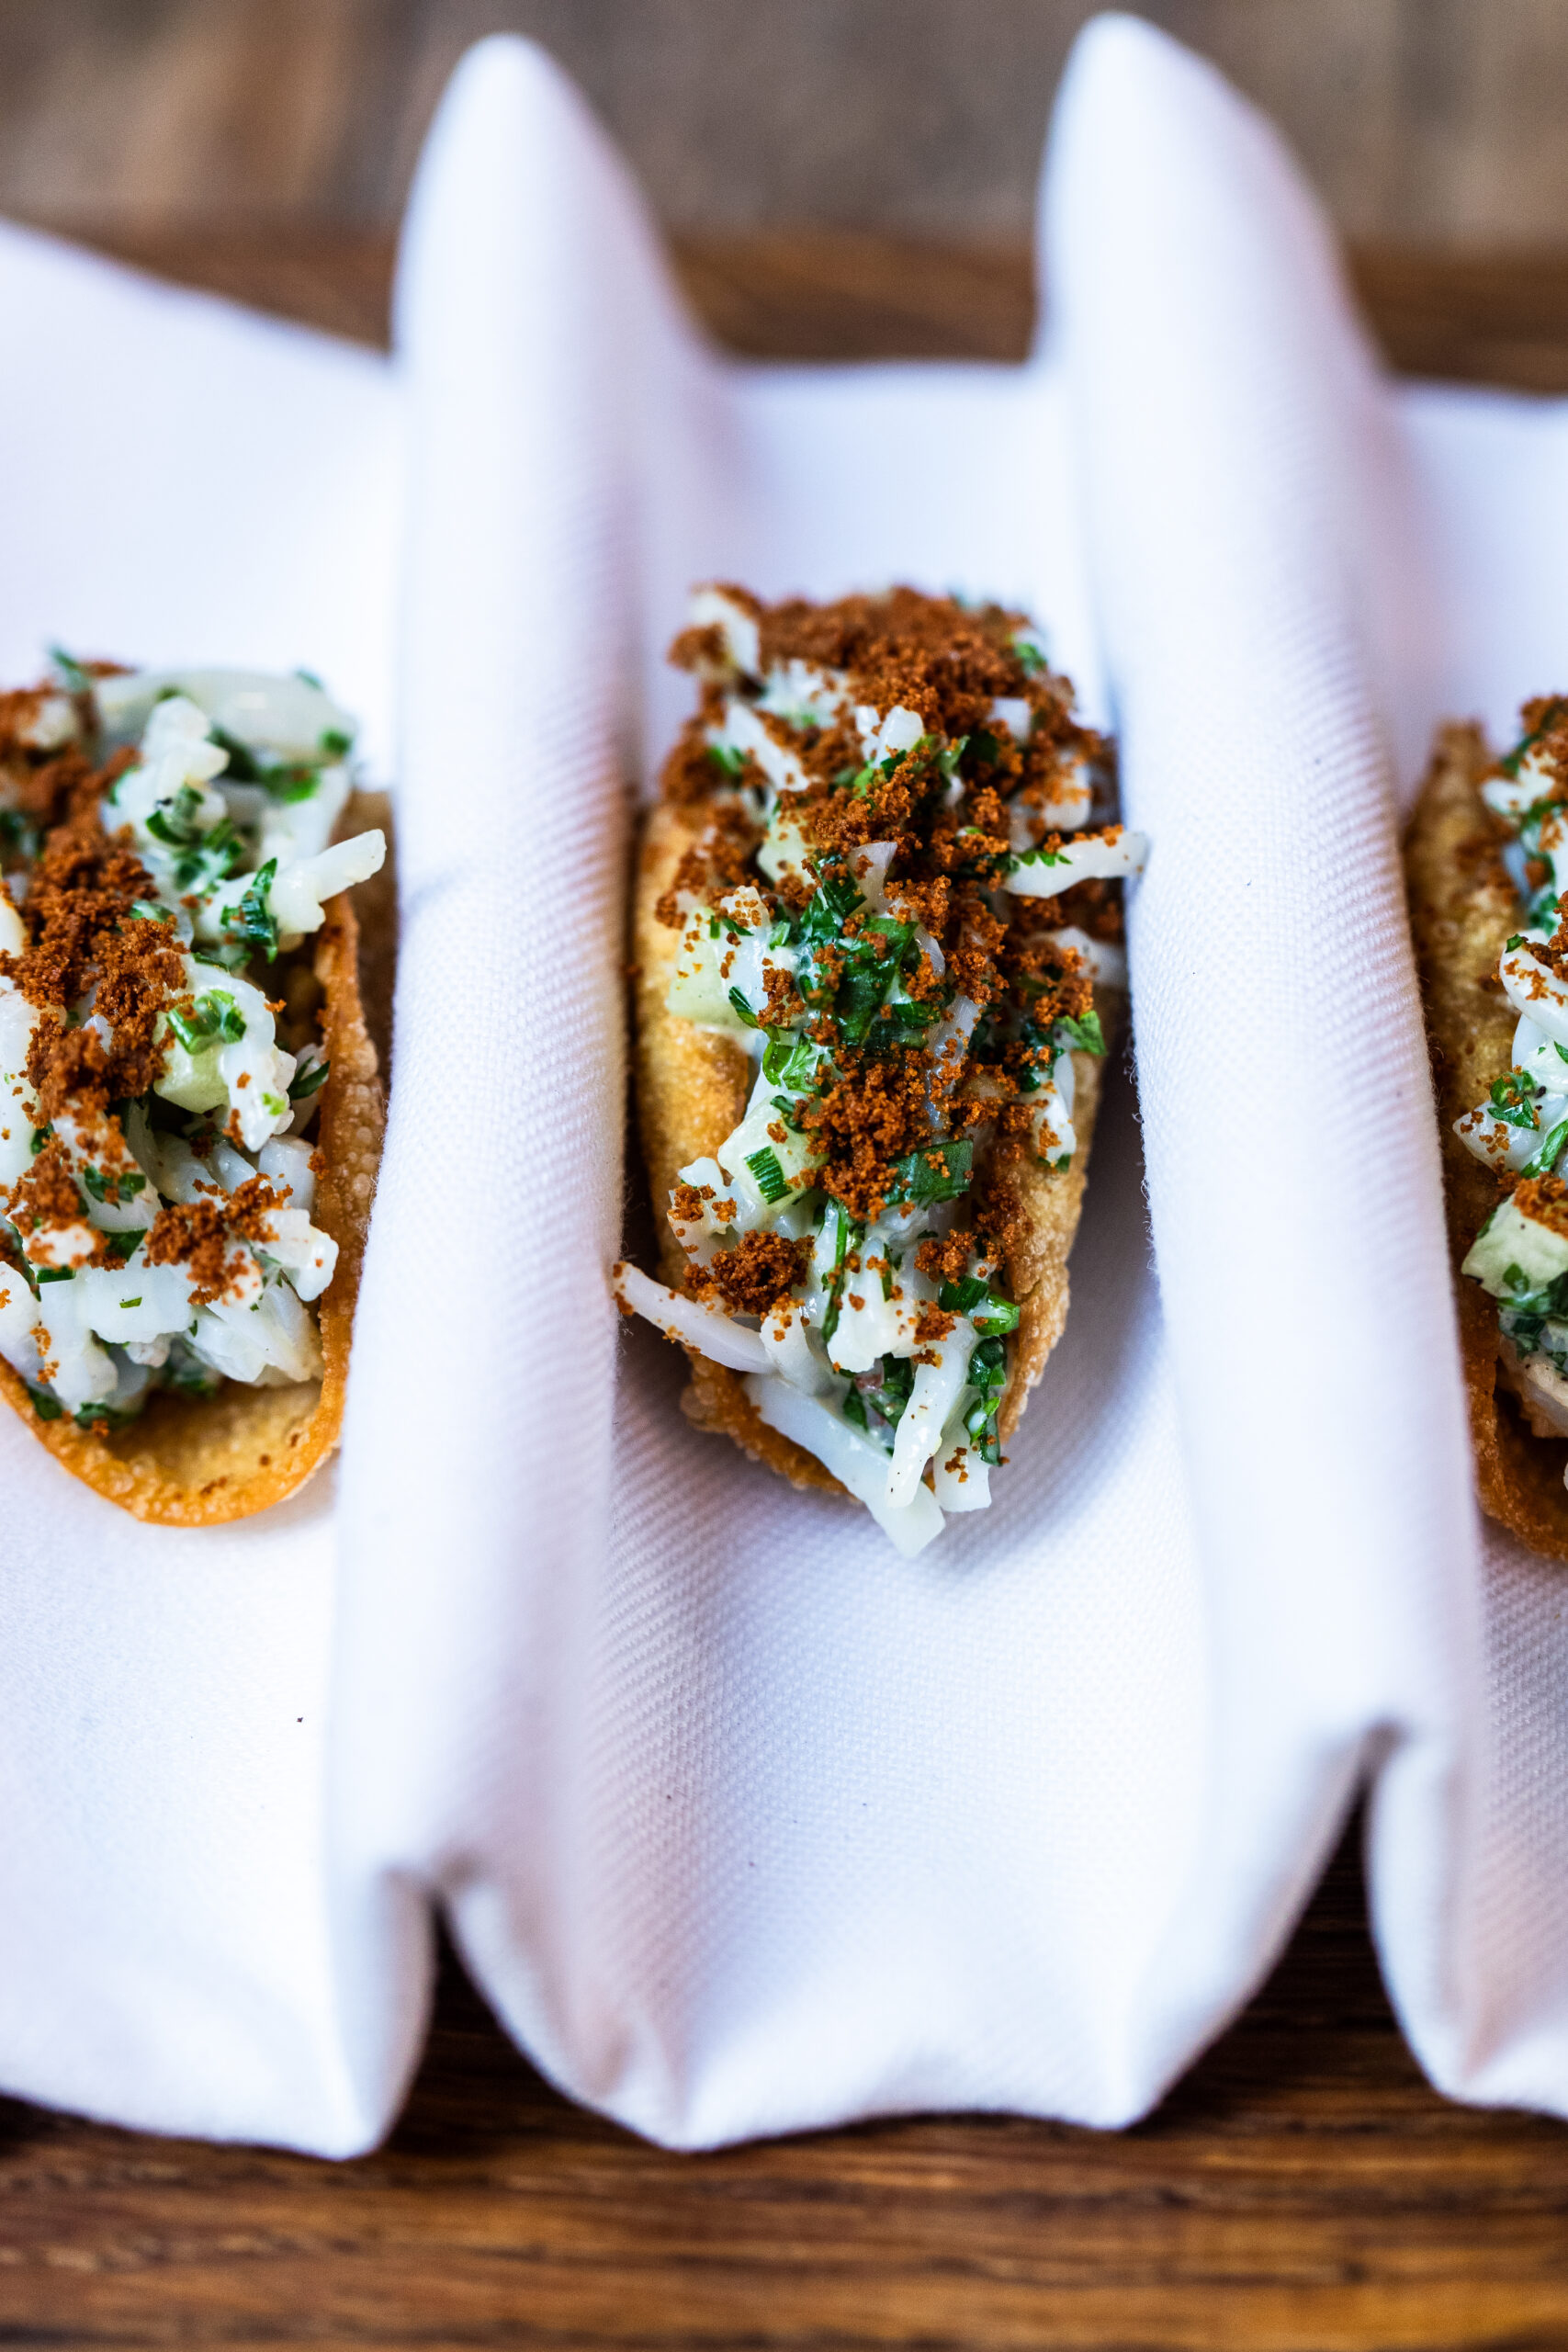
{"x":200,"y":1461}
{"x":1463,"y":909}
{"x":692,"y":1086}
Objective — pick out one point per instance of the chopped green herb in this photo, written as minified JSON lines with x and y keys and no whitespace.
{"x":252,"y":920}
{"x":782,"y":1056}
{"x":1543,"y":1162}
{"x":306,"y":1082}
{"x":971,"y":1296}
{"x":1513,"y":761}
{"x":835,"y":1284}
{"x":243,"y":766}
{"x":210,"y":861}
{"x":771,"y":1181}
{"x":145,"y":911}
{"x":131,"y":1302}
{"x":1512,"y":1096}
{"x":273,"y":1105}
{"x":1031,"y":656}
{"x":335,"y":743}
{"x":109,"y":1416}
{"x":173,"y":822}
{"x":937,"y":1171}
{"x":1085,"y":1033}
{"x":742,"y":1010}
{"x":40,"y":1135}
{"x":42,"y":1274}
{"x":887,"y":1395}
{"x":213,"y":1018}
{"x":1517,"y":941}
{"x":45,"y":1407}
{"x":125,"y":1186}
{"x":728,"y":758}
{"x":75,"y":677}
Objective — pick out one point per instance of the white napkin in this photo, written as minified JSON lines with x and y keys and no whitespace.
{"x":180,"y":481}
{"x":743,"y":1823}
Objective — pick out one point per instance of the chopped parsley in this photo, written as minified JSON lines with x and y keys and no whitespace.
{"x":937,"y":1171}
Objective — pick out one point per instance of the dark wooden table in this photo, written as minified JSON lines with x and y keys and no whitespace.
{"x":1303,"y":2190}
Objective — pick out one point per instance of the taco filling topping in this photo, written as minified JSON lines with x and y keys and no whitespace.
{"x":1520,"y":1255}
{"x":901,"y":890}
{"x":165,"y":847}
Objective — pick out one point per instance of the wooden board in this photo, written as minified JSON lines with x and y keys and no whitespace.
{"x":818,"y":294}
{"x":1303,"y":2190}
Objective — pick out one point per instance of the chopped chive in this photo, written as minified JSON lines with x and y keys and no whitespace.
{"x":1085,"y":1033}
{"x":743,"y":1010}
{"x":973,"y":1297}
{"x":125,"y":1186}
{"x":252,"y":920}
{"x":1543,"y":1162}
{"x":771,"y":1180}
{"x":306,"y":1082}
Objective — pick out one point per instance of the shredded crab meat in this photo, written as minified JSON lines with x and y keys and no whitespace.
{"x":885,"y":785}
{"x":155,"y":1188}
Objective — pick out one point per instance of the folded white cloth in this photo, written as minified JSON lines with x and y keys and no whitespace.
{"x":743,"y":1823}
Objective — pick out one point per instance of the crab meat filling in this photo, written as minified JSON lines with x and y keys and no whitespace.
{"x":165,"y":838}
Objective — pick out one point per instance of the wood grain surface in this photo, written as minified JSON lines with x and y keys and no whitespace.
{"x":832,"y":294}
{"x":1303,"y":2190}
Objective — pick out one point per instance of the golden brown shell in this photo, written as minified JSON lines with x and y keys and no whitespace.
{"x":1462,"y":907}
{"x":200,"y":1461}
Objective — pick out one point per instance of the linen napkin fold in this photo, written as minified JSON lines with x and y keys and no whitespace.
{"x":1251,"y":529}
{"x":743,"y":1823}
{"x":182,"y":480}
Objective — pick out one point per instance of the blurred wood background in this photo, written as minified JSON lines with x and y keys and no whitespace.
{"x":838,"y":178}
{"x":1430,"y":122}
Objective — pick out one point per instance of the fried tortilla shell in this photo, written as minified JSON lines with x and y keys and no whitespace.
{"x":201,"y":1462}
{"x":1462,"y":909}
{"x":692,"y":1086}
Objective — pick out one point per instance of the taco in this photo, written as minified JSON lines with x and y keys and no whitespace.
{"x":1482,"y":859}
{"x":190,"y":1105}
{"x":878,"y":963}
